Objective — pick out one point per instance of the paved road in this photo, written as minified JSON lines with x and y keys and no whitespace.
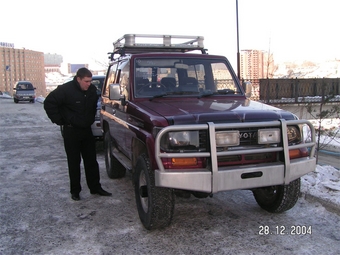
{"x":329,"y":158}
{"x":37,"y":215}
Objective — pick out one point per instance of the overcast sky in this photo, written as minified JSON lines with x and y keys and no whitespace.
{"x":83,"y":31}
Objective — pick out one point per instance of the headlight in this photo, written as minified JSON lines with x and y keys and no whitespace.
{"x":183,"y":138}
{"x":294,"y":135}
{"x":270,"y":135}
{"x":227,"y":138}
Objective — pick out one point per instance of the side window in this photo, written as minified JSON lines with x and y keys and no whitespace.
{"x":124,"y":79}
{"x":111,"y":78}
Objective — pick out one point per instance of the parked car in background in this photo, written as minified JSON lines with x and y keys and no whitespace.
{"x":24,"y":91}
{"x":97,"y":80}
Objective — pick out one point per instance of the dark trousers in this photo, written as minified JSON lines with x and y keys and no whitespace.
{"x":80,"y":143}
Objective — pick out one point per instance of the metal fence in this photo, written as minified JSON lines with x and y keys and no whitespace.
{"x":296,"y":91}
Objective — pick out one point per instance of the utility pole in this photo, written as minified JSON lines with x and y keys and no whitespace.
{"x":238,"y":47}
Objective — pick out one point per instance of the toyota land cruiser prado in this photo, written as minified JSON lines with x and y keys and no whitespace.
{"x":180,"y":120}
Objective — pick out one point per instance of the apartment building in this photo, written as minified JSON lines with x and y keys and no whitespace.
{"x":52,"y":62}
{"x":21,"y":64}
{"x":256,"y":64}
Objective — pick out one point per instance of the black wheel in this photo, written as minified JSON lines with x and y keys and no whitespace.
{"x":16,"y":101}
{"x":155,"y":205}
{"x":114,"y":168}
{"x":277,"y":199}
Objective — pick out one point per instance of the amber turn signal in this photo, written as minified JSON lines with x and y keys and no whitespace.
{"x":184,"y":161}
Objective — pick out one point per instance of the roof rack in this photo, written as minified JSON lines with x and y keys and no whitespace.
{"x":139,"y":43}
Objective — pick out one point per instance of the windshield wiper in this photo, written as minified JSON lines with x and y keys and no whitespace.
{"x":206,"y":94}
{"x":226,"y":91}
{"x":220,"y":91}
{"x":159,"y":95}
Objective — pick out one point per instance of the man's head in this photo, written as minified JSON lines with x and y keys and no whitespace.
{"x":84,"y":78}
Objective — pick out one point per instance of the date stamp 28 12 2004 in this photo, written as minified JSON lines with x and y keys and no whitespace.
{"x":283,"y":230}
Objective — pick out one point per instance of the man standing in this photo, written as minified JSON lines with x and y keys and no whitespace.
{"x":73,"y":105}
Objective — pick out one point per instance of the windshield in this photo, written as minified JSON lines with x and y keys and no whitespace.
{"x":156,"y":77}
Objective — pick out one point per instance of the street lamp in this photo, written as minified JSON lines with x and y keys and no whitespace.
{"x":238,"y":48}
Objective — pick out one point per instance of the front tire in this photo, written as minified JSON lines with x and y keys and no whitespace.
{"x":279,"y":198}
{"x":155,"y":205}
{"x":114,"y":168}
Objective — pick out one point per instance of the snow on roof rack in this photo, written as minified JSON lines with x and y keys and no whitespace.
{"x":138,"y":43}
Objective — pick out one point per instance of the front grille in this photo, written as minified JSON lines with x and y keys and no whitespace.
{"x":203,"y":140}
{"x":248,"y":140}
{"x":246,"y":159}
{"x":261,"y":156}
{"x":248,"y":136}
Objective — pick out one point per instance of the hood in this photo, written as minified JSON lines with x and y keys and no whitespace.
{"x":193,"y":110}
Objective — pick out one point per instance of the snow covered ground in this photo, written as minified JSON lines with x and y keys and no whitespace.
{"x":323,"y":184}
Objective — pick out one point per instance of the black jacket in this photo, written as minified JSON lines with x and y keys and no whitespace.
{"x":69,"y":105}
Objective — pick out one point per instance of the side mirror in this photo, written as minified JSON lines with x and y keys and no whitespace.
{"x":114,"y":93}
{"x":247,"y":87}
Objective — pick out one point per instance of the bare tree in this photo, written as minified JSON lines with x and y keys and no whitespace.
{"x":324,"y":136}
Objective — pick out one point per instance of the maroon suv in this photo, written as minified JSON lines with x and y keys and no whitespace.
{"x":179,"y":119}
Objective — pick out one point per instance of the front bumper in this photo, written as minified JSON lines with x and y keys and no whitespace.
{"x":25,"y":98}
{"x":218,"y":179}
{"x":232,"y":178}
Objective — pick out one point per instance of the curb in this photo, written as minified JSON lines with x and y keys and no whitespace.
{"x":333,"y":153}
{"x":329,"y":205}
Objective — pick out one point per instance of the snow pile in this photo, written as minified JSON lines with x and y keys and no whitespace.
{"x":40,"y":99}
{"x":55,"y":78}
{"x":308,"y":69}
{"x":323,"y":183}
{"x":5,"y":95}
